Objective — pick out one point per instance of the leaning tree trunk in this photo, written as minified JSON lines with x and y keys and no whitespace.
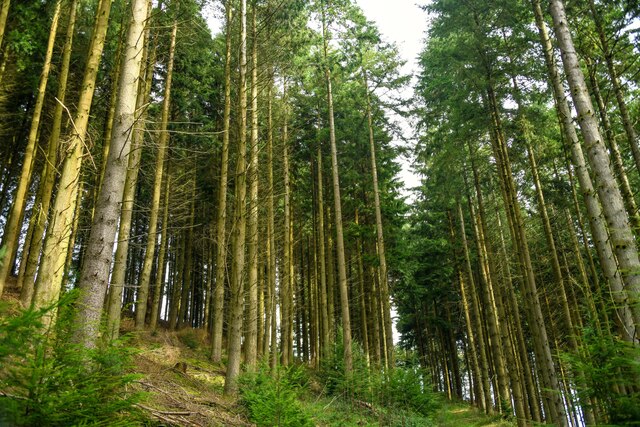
{"x":48,"y":174}
{"x":14,"y":221}
{"x":595,"y":215}
{"x":154,"y":210}
{"x":240,"y":222}
{"x":622,"y":238}
{"x":627,"y":122}
{"x":94,"y":277}
{"x":221,"y":219}
{"x":57,"y":242}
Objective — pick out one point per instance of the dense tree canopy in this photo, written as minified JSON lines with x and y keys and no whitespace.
{"x":248,"y":184}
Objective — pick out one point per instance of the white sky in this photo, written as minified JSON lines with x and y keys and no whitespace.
{"x":399,"y":21}
{"x":402,"y":22}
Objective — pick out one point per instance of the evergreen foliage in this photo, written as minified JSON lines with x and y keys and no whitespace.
{"x":271,"y":398}
{"x":48,"y":380}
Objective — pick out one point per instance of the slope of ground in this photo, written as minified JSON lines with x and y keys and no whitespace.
{"x":461,"y":414}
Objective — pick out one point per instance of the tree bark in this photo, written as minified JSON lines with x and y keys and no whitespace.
{"x":14,"y":221}
{"x":118,"y":276}
{"x":240,"y":222}
{"x":251,"y":344}
{"x":94,"y":277}
{"x":48,"y":174}
{"x":221,"y":219}
{"x":622,"y":239}
{"x":163,"y":142}
{"x":342,"y":272}
{"x":57,"y":242}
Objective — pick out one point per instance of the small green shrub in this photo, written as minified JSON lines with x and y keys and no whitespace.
{"x":188,"y":337}
{"x":404,"y":388}
{"x":47,"y":380}
{"x":272,"y":400}
{"x":609,"y":366}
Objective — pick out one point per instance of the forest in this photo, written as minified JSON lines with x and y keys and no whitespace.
{"x":207,"y":198}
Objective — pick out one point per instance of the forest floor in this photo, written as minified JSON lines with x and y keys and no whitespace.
{"x":185,"y":389}
{"x":461,"y":414}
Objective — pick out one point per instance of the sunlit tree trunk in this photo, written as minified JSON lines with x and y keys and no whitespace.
{"x":4,"y":12}
{"x":595,"y":214}
{"x":57,"y":242}
{"x":13,"y":225}
{"x":94,"y":277}
{"x":29,"y":262}
{"x":118,"y":276}
{"x":616,"y":157}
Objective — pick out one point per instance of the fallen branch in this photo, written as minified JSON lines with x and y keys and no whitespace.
{"x":163,"y":412}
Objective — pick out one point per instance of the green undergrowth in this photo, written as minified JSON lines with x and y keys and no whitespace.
{"x":46,"y":379}
{"x":461,"y":414}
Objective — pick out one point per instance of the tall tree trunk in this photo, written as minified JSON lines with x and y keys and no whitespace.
{"x":14,"y":221}
{"x":326,"y":331}
{"x":622,"y":239}
{"x":59,"y":231}
{"x":162,"y":264}
{"x":251,"y":344}
{"x":221,"y":219}
{"x":240,"y":221}
{"x":183,"y":318}
{"x":618,"y":164}
{"x":342,"y":272}
{"x":538,"y":327}
{"x":94,"y":277}
{"x":287,"y":278}
{"x":595,"y":214}
{"x":384,"y":285}
{"x":163,"y":142}
{"x":271,"y":239}
{"x":48,"y":174}
{"x":475,"y":366}
{"x":627,"y":122}
{"x":118,"y":276}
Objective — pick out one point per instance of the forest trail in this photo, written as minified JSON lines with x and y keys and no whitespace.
{"x":460,"y":414}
